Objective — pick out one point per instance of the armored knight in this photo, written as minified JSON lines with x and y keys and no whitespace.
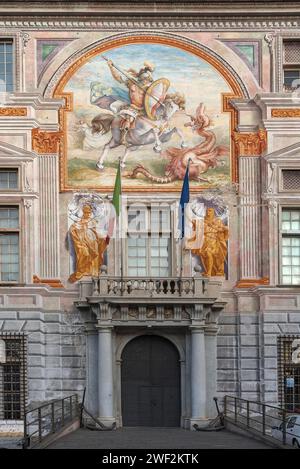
{"x":137,"y":84}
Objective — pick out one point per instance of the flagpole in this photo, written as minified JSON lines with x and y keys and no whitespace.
{"x":185,"y":197}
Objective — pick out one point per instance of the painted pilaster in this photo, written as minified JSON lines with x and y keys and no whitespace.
{"x":250,"y":216}
{"x":49,"y":226}
{"x":105,"y":376}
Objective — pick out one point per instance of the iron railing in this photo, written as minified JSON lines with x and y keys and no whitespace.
{"x":273,"y":423}
{"x":49,"y":418}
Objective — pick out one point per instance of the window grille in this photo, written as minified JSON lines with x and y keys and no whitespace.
{"x":291,"y":180}
{"x":13,"y":377}
{"x":291,"y":52}
{"x":288,"y":374}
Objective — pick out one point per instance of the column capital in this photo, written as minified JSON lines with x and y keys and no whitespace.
{"x":104,"y":328}
{"x":211,"y":330}
{"x":197,"y":329}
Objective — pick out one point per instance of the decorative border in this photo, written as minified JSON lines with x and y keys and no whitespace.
{"x":54,"y":283}
{"x":232,"y":79}
{"x":13,"y":111}
{"x":288,"y":112}
{"x":248,"y":283}
{"x":186,"y":24}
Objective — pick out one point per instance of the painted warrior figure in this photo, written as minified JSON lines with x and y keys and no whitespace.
{"x":137,"y":84}
{"x":88,"y":245}
{"x":214,"y":249}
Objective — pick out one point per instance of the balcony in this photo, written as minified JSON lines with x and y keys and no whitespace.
{"x":131,"y":300}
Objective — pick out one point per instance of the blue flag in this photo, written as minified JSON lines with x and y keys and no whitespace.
{"x":184,"y":199}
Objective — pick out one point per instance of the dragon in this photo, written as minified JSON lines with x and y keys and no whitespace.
{"x":203,"y":156}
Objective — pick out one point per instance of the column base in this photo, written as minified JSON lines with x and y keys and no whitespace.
{"x":107,"y":421}
{"x":201,"y":422}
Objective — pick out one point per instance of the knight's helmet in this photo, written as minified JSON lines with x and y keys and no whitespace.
{"x":145,"y":73}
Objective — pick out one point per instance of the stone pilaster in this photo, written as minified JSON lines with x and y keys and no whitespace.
{"x":105,"y":376}
{"x":91,"y":401}
{"x":211,"y":368}
{"x":198,"y":376}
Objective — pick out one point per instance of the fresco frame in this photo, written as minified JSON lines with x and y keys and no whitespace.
{"x":237,"y":93}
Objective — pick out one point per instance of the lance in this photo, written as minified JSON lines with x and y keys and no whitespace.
{"x":132,"y":79}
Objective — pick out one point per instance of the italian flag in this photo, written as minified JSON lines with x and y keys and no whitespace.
{"x":115,"y":212}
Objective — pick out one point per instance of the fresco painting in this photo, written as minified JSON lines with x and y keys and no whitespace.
{"x":207,"y":235}
{"x":154,"y":107}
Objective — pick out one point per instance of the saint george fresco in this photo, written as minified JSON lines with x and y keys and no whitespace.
{"x":154,"y":106}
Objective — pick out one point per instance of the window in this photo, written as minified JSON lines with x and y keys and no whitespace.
{"x":291,"y":65}
{"x":290,"y":246}
{"x":288,"y":374}
{"x":9,"y":244}
{"x":149,"y":242}
{"x":8,"y":179}
{"x":291,"y":180}
{"x":6,"y":66}
{"x":13,"y":377}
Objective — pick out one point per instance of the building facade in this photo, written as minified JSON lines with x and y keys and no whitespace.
{"x":153,"y":325}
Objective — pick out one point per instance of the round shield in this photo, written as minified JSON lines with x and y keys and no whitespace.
{"x":155,"y":96}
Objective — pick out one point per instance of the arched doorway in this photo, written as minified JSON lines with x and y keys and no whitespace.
{"x":150,"y":383}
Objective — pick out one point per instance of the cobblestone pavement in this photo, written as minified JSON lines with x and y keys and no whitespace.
{"x":144,"y":438}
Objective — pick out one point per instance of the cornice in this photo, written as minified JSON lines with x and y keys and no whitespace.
{"x":158,"y":7}
{"x":165,"y":22}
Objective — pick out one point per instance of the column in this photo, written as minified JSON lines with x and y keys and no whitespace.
{"x":250,"y":213}
{"x":91,"y":399}
{"x":211,"y":369}
{"x":198,"y":376}
{"x":105,"y":376}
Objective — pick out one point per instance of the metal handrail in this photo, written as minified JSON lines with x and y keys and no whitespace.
{"x":40,"y":426}
{"x":258,"y":417}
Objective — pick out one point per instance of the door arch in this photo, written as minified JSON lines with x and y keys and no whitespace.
{"x":150,"y":383}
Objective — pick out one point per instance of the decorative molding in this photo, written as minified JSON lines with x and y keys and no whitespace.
{"x":27,"y":203}
{"x":121,"y":23}
{"x":54,"y":283}
{"x":41,"y":62}
{"x":45,"y":142}
{"x":269,"y":38}
{"x":288,"y":112}
{"x":69,"y":67}
{"x":251,"y":143}
{"x":235,"y":46}
{"x":248,"y":283}
{"x":13,"y":111}
{"x":25,"y":38}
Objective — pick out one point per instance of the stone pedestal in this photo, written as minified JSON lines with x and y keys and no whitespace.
{"x":105,"y":376}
